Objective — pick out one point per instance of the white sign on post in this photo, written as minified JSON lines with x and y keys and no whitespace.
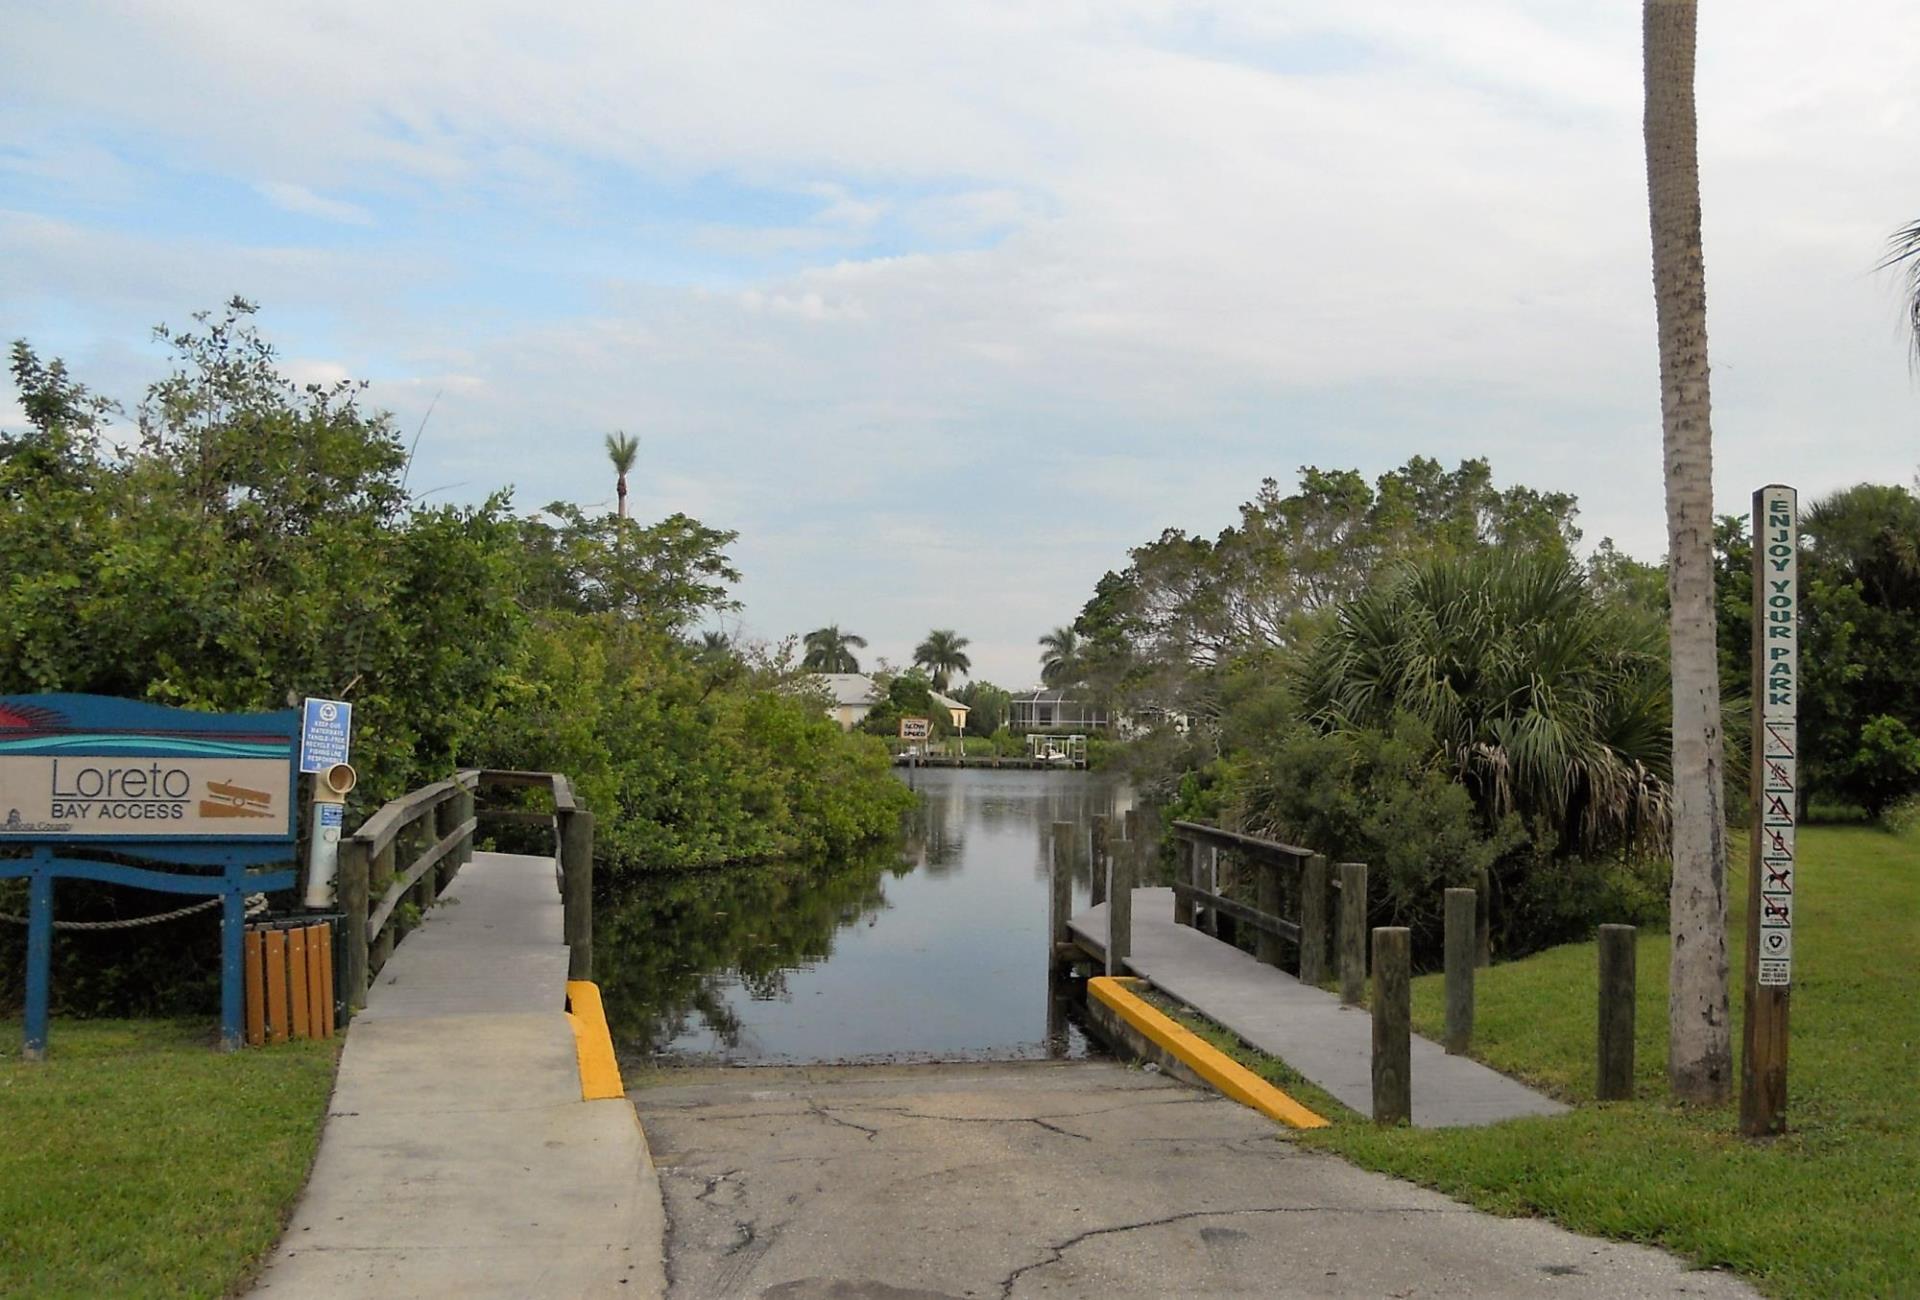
{"x":1779,"y":739}
{"x":326,"y":732}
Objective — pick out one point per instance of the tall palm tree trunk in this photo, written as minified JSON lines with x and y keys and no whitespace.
{"x":1699,"y":1042}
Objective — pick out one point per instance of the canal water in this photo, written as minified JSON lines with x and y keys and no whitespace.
{"x":930,"y":949}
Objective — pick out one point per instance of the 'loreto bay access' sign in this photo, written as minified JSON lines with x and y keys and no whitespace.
{"x":87,"y":767}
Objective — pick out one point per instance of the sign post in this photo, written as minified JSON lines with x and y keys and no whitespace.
{"x":1775,"y":788}
{"x":326,"y":733}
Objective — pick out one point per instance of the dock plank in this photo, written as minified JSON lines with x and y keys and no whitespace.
{"x":1304,"y":1026}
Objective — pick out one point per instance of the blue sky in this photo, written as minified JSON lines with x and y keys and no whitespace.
{"x":945,"y":306}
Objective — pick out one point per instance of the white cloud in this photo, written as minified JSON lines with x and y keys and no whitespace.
{"x":290,"y":197}
{"x":1141,"y":252}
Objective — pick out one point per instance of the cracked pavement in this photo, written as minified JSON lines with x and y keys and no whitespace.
{"x":1065,"y":1180}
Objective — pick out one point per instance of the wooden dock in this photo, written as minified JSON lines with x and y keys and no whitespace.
{"x":1012,"y":764}
{"x":1304,"y":1026}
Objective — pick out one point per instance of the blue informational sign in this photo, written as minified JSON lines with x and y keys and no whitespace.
{"x":326,"y":730}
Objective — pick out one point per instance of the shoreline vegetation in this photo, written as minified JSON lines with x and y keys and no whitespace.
{"x":192,"y":562}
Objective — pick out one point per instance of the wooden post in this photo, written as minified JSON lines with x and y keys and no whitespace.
{"x":299,"y":1009}
{"x":1060,"y":892}
{"x":1483,"y":919}
{"x":256,"y":992}
{"x":1183,"y":858}
{"x":1462,"y":905}
{"x":1126,"y":869}
{"x":379,"y":878}
{"x":327,"y":990}
{"x":1353,"y":932}
{"x":1771,"y":851}
{"x":1614,"y":1076}
{"x":1268,"y":946}
{"x":576,"y":859}
{"x":354,"y":889}
{"x":1392,"y":1025}
{"x":1099,"y":863}
{"x":276,"y":962}
{"x":319,"y":992}
{"x":1313,"y":920}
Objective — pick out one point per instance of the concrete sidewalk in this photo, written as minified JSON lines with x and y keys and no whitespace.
{"x":1076,"y":1181}
{"x":458,"y":1158}
{"x":1306,"y":1027}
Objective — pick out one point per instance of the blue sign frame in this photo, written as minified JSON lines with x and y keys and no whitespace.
{"x":229,"y":865}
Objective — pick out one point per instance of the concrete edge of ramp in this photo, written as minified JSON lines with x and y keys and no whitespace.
{"x":460,"y":1153}
{"x":1213,"y":1067}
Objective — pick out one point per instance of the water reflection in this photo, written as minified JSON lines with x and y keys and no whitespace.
{"x":935,"y":947}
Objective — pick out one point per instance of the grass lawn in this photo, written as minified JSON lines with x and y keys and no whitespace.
{"x":1831,"y":1209}
{"x":138,"y":1161}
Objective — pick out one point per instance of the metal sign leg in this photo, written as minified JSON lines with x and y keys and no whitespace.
{"x":233,"y":925}
{"x":39,"y":963}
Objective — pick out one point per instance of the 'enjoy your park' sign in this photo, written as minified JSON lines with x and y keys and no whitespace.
{"x":1777,"y":536}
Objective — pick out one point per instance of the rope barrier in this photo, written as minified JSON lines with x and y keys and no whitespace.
{"x":256,"y":903}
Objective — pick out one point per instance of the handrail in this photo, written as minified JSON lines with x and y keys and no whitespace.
{"x":1289,"y":879}
{"x":1227,"y":839}
{"x":436,"y":824}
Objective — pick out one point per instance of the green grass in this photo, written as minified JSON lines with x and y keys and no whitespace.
{"x":138,"y":1161}
{"x":1831,"y":1209}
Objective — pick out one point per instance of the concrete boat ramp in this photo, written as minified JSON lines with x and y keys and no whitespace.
{"x":1306,"y":1027}
{"x":459,"y":1159}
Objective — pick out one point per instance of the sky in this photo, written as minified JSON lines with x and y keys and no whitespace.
{"x":944,"y":306}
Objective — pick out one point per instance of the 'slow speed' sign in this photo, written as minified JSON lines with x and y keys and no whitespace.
{"x":915,"y":728}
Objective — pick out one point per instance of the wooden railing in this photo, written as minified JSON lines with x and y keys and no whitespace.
{"x":1292,"y":891}
{"x":400,"y":860}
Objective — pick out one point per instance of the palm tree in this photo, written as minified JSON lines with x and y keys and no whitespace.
{"x":941,"y":655}
{"x":828,"y":652}
{"x":1699,"y":1043}
{"x":1904,"y":247}
{"x":622,"y":450}
{"x":1061,"y":664}
{"x":1547,"y":700}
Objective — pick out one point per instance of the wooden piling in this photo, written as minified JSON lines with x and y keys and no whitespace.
{"x":1060,"y":895}
{"x":1461,"y":937}
{"x":1126,"y":870}
{"x":1353,"y":932}
{"x":1184,"y":858}
{"x":1614,"y":1067}
{"x":1267,"y":946}
{"x":576,"y":858}
{"x":1313,"y":920}
{"x":1483,"y":919}
{"x":1392,"y":1025}
{"x":1099,"y":860}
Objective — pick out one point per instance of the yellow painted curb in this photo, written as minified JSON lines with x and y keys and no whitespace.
{"x":599,"y":1072}
{"x":1218,"y":1069}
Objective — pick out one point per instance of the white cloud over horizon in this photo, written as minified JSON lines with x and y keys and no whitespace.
{"x":945,"y":306}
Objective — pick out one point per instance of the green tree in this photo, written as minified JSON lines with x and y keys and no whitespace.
{"x":622,"y":450}
{"x":1547,"y":702}
{"x":942,"y":654}
{"x":1699,"y":1042}
{"x":829,"y":650}
{"x":1060,"y":659}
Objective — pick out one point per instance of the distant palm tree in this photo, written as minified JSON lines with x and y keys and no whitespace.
{"x":715,"y":644}
{"x":1061,"y":664}
{"x":828,"y":652}
{"x":1904,"y":249}
{"x":622,"y":450}
{"x":940,"y":654}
